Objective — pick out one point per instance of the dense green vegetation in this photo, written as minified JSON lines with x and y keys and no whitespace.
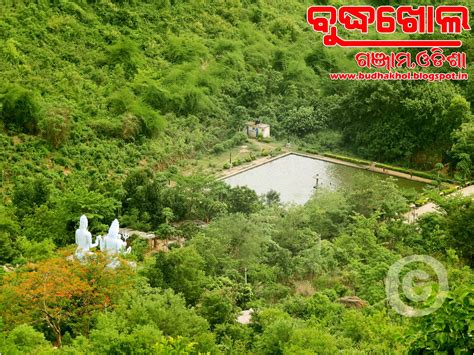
{"x":103,"y":104}
{"x":292,"y":265}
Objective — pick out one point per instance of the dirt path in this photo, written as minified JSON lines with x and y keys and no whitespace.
{"x":467,"y":191}
{"x":432,"y":207}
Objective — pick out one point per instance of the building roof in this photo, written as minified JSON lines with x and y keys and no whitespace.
{"x":259,"y":125}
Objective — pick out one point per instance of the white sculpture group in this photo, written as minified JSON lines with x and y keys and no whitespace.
{"x":112,"y":244}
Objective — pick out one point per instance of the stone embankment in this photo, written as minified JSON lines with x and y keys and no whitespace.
{"x":264,"y":160}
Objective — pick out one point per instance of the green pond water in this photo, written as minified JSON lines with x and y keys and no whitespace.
{"x":294,"y":177}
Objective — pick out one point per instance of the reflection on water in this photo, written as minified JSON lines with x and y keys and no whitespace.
{"x":294,"y":177}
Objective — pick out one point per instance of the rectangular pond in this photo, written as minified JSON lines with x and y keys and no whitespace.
{"x":294,"y":176}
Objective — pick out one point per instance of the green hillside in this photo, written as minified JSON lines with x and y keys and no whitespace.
{"x":114,"y":109}
{"x":156,"y":81}
{"x":104,"y":78}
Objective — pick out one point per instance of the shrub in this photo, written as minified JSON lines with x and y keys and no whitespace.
{"x":126,"y":53}
{"x":448,"y":329}
{"x":137,"y":116}
{"x":120,"y":101}
{"x":421,"y":174}
{"x":348,"y":159}
{"x":218,"y":148}
{"x":152,"y":122}
{"x":106,"y":127}
{"x":20,"y":109}
{"x":184,"y":49}
{"x":239,"y":138}
{"x":130,"y":126}
{"x":55,"y":127}
{"x":29,"y":195}
{"x":33,"y":251}
{"x":275,"y":152}
{"x":173,"y":169}
{"x":139,"y":248}
{"x":157,"y":97}
{"x":311,"y":151}
{"x":9,"y":229}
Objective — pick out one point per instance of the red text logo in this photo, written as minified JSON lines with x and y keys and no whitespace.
{"x":448,"y":19}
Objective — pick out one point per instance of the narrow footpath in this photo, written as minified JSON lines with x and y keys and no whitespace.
{"x":432,"y":207}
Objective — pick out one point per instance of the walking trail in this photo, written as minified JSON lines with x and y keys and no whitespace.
{"x":432,"y":207}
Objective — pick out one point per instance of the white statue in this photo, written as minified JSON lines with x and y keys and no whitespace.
{"x":83,"y":239}
{"x":112,"y":243}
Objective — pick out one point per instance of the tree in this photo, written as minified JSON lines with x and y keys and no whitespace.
{"x":32,"y":251}
{"x":447,"y":330}
{"x":277,"y":328}
{"x":242,"y":199}
{"x":217,"y":306}
{"x":233,"y":244}
{"x":7,"y":248}
{"x":380,"y":125}
{"x":168,"y":214}
{"x":369,"y":195}
{"x":311,"y":341}
{"x":328,"y":212}
{"x":9,"y":230}
{"x":23,"y":339}
{"x":272,"y":197}
{"x":60,"y":294}
{"x":181,"y":270}
{"x":464,"y":167}
{"x":462,"y":150}
{"x":305,"y":120}
{"x":203,"y":196}
{"x":147,"y":318}
{"x":58,"y":219}
{"x":30,"y":194}
{"x":460,"y":223}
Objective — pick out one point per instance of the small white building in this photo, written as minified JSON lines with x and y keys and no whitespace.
{"x":257,"y":129}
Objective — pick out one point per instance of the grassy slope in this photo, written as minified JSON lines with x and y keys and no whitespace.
{"x":62,"y":54}
{"x":201,"y":64}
